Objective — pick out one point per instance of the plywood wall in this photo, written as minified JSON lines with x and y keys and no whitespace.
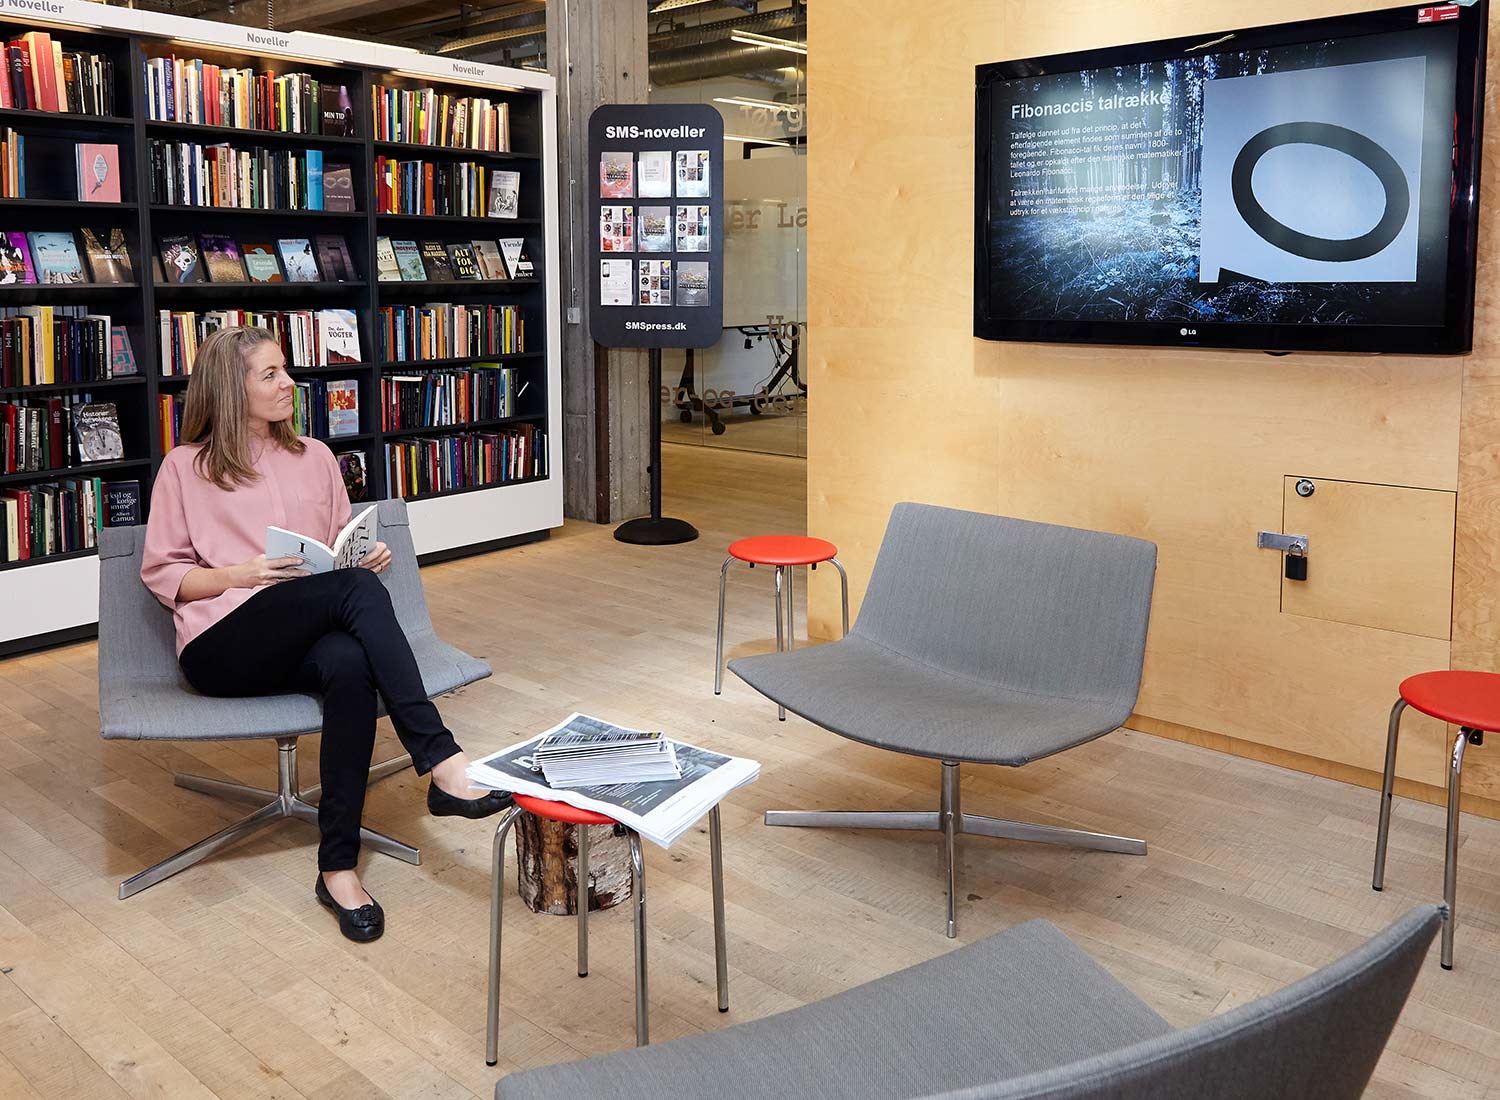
{"x":1187,"y":448}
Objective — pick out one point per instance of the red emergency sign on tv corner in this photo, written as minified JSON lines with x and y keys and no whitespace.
{"x":1439,"y":14}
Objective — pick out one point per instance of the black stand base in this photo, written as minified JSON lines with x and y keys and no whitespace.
{"x":656,"y":531}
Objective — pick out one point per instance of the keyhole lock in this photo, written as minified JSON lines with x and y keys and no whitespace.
{"x":1305,"y":488}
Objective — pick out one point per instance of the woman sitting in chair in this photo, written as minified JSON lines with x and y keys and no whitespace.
{"x":251,"y":626}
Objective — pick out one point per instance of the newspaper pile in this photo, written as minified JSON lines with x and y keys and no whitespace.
{"x":661,"y":811}
{"x":589,"y":753}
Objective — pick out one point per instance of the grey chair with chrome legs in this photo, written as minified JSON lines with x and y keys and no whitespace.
{"x":144,"y":697}
{"x":984,"y":640}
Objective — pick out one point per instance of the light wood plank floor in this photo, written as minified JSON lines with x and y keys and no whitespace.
{"x":230,"y":981}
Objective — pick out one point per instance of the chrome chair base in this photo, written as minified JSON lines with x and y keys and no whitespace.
{"x":951,"y":821}
{"x":288,"y":800}
{"x":1461,"y":740}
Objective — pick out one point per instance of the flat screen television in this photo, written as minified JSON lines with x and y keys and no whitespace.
{"x":1307,"y":186}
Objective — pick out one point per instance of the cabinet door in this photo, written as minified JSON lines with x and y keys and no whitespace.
{"x":1378,"y":555}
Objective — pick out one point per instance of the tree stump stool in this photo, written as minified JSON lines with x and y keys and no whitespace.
{"x":547,"y":865}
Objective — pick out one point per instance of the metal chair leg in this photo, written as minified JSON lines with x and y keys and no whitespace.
{"x":843,"y":591}
{"x":638,"y":884}
{"x":1383,"y":830}
{"x":497,"y":909}
{"x":1450,"y":853}
{"x":266,"y":815}
{"x":780,"y":641}
{"x":716,"y":863}
{"x":581,"y":900}
{"x":719,"y":644}
{"x":951,"y":815}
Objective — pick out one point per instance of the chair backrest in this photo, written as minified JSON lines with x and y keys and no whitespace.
{"x":137,"y":640}
{"x":1031,"y":606}
{"x":1316,"y":1039}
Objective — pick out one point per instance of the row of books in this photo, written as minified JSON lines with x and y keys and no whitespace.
{"x":465,"y":460}
{"x":44,"y":75}
{"x":53,"y":258}
{"x":326,"y":408}
{"x":465,"y":190}
{"x":95,"y":167}
{"x":221,"y":259}
{"x":308,"y":338}
{"x":427,"y":117}
{"x":59,"y":517}
{"x":436,"y":262}
{"x":56,"y":432}
{"x":447,"y":330}
{"x":199,"y":92}
{"x":187,"y":173}
{"x":46,"y":345}
{"x":485,"y":391}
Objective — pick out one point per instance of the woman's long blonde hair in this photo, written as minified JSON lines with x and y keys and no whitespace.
{"x":215,"y":412}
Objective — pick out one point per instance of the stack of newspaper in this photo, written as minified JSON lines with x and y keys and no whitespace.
{"x":588,"y":753}
{"x":661,"y":811}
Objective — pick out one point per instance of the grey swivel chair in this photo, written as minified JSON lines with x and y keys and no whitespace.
{"x":143,"y":695}
{"x":984,"y":640}
{"x":1026,"y":1014}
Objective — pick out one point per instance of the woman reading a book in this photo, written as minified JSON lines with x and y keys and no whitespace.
{"x":247,"y":625}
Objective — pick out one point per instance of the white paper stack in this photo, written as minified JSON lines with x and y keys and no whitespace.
{"x":584,"y":758}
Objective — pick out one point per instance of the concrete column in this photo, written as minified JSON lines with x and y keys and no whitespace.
{"x":597,"y":51}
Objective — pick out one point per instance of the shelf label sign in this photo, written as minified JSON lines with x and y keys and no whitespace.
{"x":655,"y":226}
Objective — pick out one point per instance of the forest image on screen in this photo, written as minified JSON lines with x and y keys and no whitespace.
{"x":1299,"y":184}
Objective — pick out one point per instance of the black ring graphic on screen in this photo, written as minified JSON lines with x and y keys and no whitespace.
{"x":1344,"y":140}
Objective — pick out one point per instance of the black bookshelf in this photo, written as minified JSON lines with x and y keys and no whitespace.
{"x":134,"y":305}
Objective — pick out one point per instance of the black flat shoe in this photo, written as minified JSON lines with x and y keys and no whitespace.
{"x":442,"y":804}
{"x":360,"y":925}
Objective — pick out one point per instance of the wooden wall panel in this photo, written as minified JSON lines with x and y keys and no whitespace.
{"x":1187,"y":448}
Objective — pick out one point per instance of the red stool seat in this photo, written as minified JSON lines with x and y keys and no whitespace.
{"x":1469,"y":699}
{"x":560,"y":811}
{"x":783,"y":550}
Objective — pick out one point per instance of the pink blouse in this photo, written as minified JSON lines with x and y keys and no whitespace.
{"x":194,"y":523}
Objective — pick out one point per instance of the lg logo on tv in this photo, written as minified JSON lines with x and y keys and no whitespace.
{"x":1311,"y":175}
{"x":1189,"y":332}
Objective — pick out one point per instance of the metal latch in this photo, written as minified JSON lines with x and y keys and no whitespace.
{"x":1287,"y":544}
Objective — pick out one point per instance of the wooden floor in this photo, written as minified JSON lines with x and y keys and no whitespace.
{"x":230,"y":981}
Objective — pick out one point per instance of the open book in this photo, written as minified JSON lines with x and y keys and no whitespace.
{"x":355,"y":541}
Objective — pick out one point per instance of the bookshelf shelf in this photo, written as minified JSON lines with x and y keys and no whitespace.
{"x":62,"y":596}
{"x":466,"y":361}
{"x":455,"y":219}
{"x":63,"y":120}
{"x":69,"y":387}
{"x":164,"y":128}
{"x":412,"y":150}
{"x":91,"y":469}
{"x":174,"y":292}
{"x":469,"y":426}
{"x":336,"y":441}
{"x":247,"y":211}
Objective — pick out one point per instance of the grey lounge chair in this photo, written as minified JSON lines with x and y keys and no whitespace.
{"x":1027,"y":1014}
{"x":981,"y":639}
{"x":144,"y":697}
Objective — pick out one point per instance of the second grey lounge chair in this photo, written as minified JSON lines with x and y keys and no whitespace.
{"x":981,"y":639}
{"x":1026,"y":1015}
{"x":143,"y":695}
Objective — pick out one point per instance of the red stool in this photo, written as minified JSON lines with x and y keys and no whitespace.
{"x":561,"y":811}
{"x":1470,"y":701}
{"x":785,"y":552}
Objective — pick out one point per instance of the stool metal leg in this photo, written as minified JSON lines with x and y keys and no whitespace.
{"x":497,"y":904}
{"x":843,"y":591}
{"x":791,"y":608}
{"x":582,"y":901}
{"x":1450,"y":857}
{"x":780,"y":640}
{"x":638,"y":883}
{"x":1383,"y":830}
{"x":716,"y":862}
{"x":719,"y":644}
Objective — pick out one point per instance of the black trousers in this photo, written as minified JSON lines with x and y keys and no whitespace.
{"x":334,"y":634}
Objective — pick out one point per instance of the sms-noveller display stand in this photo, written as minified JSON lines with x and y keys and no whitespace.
{"x":656,"y":276}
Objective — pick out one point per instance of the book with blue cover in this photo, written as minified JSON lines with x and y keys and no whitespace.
{"x":55,"y":258}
